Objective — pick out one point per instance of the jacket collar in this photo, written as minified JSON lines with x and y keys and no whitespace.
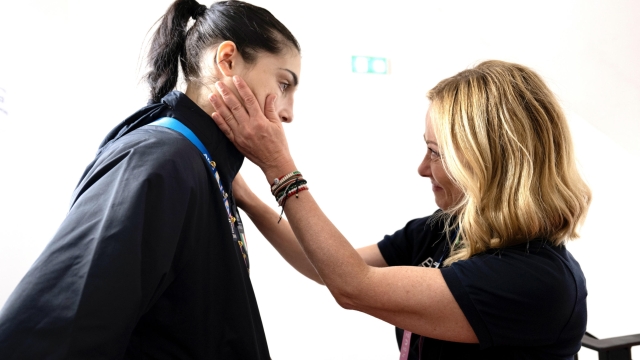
{"x":177,"y":105}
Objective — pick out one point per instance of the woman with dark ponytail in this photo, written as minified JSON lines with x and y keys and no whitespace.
{"x":151,"y":261}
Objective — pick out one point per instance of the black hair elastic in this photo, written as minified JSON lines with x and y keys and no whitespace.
{"x":198,"y":11}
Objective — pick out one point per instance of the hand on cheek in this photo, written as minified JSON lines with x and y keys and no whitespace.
{"x":256,"y":133}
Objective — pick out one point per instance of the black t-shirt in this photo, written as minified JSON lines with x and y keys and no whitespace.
{"x":523,"y":302}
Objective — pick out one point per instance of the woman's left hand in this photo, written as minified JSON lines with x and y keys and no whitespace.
{"x":258,"y":135}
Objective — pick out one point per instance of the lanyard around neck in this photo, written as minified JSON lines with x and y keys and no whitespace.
{"x":176,"y":125}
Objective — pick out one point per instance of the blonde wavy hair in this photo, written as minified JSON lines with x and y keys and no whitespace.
{"x":506,"y":143}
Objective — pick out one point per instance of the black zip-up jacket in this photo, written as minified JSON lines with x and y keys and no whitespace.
{"x":144,"y":265}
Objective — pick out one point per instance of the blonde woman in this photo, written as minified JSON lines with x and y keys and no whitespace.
{"x":485,"y":277}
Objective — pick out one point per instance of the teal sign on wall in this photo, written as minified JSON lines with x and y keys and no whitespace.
{"x":369,"y":65}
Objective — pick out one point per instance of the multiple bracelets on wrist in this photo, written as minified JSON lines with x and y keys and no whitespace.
{"x":287,"y":186}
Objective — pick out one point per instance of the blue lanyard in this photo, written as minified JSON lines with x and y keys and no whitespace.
{"x":176,"y":125}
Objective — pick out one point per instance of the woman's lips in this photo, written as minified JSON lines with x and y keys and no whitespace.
{"x":435,"y":188}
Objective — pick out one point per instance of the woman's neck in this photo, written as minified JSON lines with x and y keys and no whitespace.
{"x":200,"y":95}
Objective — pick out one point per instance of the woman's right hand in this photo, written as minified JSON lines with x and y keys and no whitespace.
{"x":258,"y":135}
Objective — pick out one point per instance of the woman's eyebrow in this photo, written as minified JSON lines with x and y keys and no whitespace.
{"x":429,"y":141}
{"x":295,"y":77}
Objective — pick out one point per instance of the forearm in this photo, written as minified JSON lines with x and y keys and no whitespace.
{"x":340,"y":266}
{"x":281,"y":237}
{"x":411,"y":297}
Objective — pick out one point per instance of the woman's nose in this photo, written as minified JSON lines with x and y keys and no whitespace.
{"x":286,"y":117}
{"x":286,"y":112}
{"x":424,"y":169}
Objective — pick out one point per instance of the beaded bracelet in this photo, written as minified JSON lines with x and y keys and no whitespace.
{"x":284,"y":184}
{"x":282,"y":199}
{"x":293,"y":192}
{"x":292,"y":185}
{"x":277,"y":182}
{"x":279,"y":188}
{"x":287,"y":186}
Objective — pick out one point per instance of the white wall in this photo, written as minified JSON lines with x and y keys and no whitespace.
{"x":71,"y":71}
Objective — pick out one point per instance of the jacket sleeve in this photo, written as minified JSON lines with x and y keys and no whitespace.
{"x":109,"y":259}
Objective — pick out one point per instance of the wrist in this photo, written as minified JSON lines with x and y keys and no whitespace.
{"x":285,"y":186}
{"x":276,"y":172}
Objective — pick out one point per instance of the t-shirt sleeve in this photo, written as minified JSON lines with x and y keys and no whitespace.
{"x":513,"y":298}
{"x":112,"y":253}
{"x":397,"y":249}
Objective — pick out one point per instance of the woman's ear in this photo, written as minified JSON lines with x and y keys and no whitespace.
{"x":227,"y":58}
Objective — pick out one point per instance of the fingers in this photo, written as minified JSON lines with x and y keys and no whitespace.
{"x":223,"y":125}
{"x":270,"y":108}
{"x":237,"y":111}
{"x":223,"y":116}
{"x":221,"y":109}
{"x":250,"y":102}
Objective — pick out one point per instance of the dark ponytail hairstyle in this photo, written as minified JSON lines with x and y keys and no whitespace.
{"x":252,"y":28}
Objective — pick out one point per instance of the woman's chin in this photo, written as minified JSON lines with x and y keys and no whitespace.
{"x":442,"y":204}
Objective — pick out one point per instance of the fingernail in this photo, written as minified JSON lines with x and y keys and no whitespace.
{"x":218,"y":85}
{"x":235,"y":79}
